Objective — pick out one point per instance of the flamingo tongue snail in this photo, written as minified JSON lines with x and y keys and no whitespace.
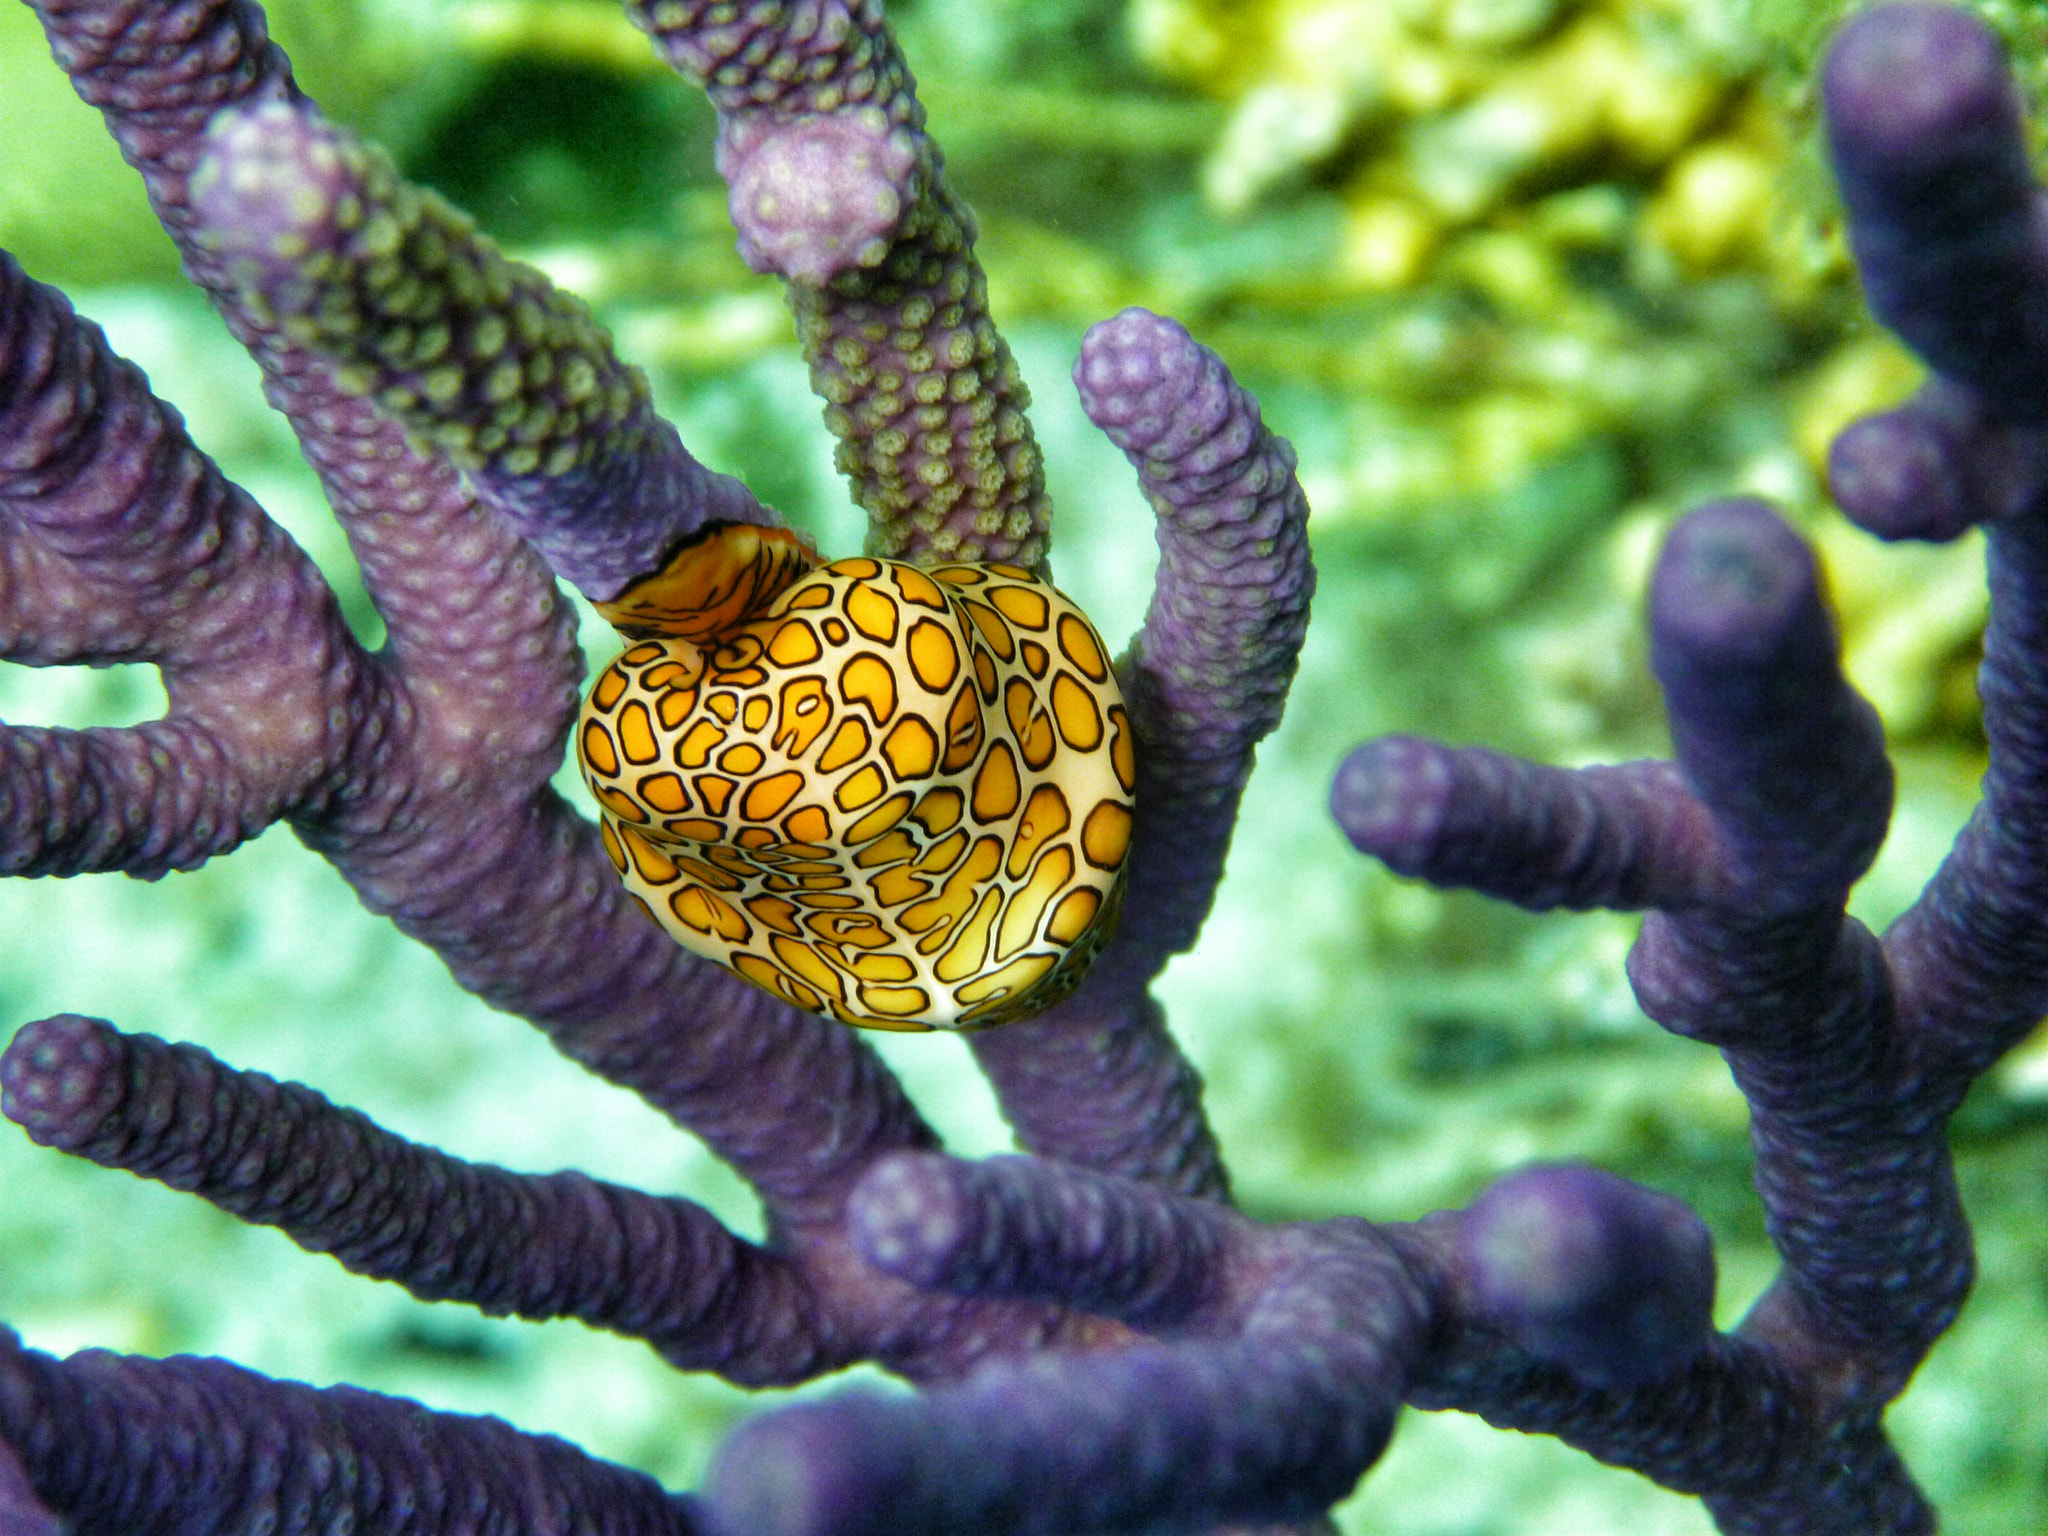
{"x":899,"y":797}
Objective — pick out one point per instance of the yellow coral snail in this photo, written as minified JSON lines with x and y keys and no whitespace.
{"x":900,"y":797}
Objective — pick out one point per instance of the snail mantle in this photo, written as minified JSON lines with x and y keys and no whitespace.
{"x":897,"y":796}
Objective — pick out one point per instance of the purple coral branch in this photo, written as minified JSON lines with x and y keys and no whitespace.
{"x":280,"y":1155}
{"x":1784,"y":755}
{"x":122,"y":1444}
{"x":1958,"y":270}
{"x":482,"y":359}
{"x":1746,"y":853}
{"x":440,"y":817}
{"x":1780,"y":798}
{"x":1209,"y":671}
{"x":1565,"y":1301}
{"x":1279,"y":1364}
{"x":1623,"y":837}
{"x":1096,"y":1081}
{"x":1014,"y":1226}
{"x":1783,"y":796}
{"x":435,"y":803}
{"x":1791,"y":764}
{"x":1923,"y":124}
{"x":21,"y":1512}
{"x":1937,"y":466}
{"x":1156,"y":1438}
{"x":837,"y":189}
{"x":123,"y":543}
{"x":1609,"y":1280}
{"x":1969,"y":956}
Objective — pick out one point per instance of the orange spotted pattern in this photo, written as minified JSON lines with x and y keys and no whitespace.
{"x":897,"y":797}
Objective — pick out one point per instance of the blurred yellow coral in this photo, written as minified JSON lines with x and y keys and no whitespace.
{"x":1562,"y":223}
{"x":1432,"y":115}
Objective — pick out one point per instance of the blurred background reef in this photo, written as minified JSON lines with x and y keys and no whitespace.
{"x":1521,"y":279}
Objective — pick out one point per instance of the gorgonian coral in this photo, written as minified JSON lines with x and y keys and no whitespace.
{"x":1101,"y":1342}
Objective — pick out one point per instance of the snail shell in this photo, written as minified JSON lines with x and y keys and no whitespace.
{"x":899,"y":797}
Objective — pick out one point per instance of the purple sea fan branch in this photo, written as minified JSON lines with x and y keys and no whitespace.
{"x":1923,"y":124}
{"x":120,"y":541}
{"x":1857,"y":1185}
{"x":1937,"y":466}
{"x":280,"y":1155}
{"x":122,"y":1444}
{"x":1278,"y":1362}
{"x":1610,"y":1280}
{"x":1275,"y":1426}
{"x":1785,"y":756}
{"x":837,"y":189}
{"x":1097,"y":1081}
{"x":159,"y":71}
{"x":439,"y":811}
{"x":21,"y":1512}
{"x":482,"y":359}
{"x":1778,"y":800}
{"x":1622,"y":837}
{"x":1971,"y":955}
{"x":1949,"y":230}
{"x":1775,"y":806}
{"x":1014,"y":1226}
{"x":1208,"y":673}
